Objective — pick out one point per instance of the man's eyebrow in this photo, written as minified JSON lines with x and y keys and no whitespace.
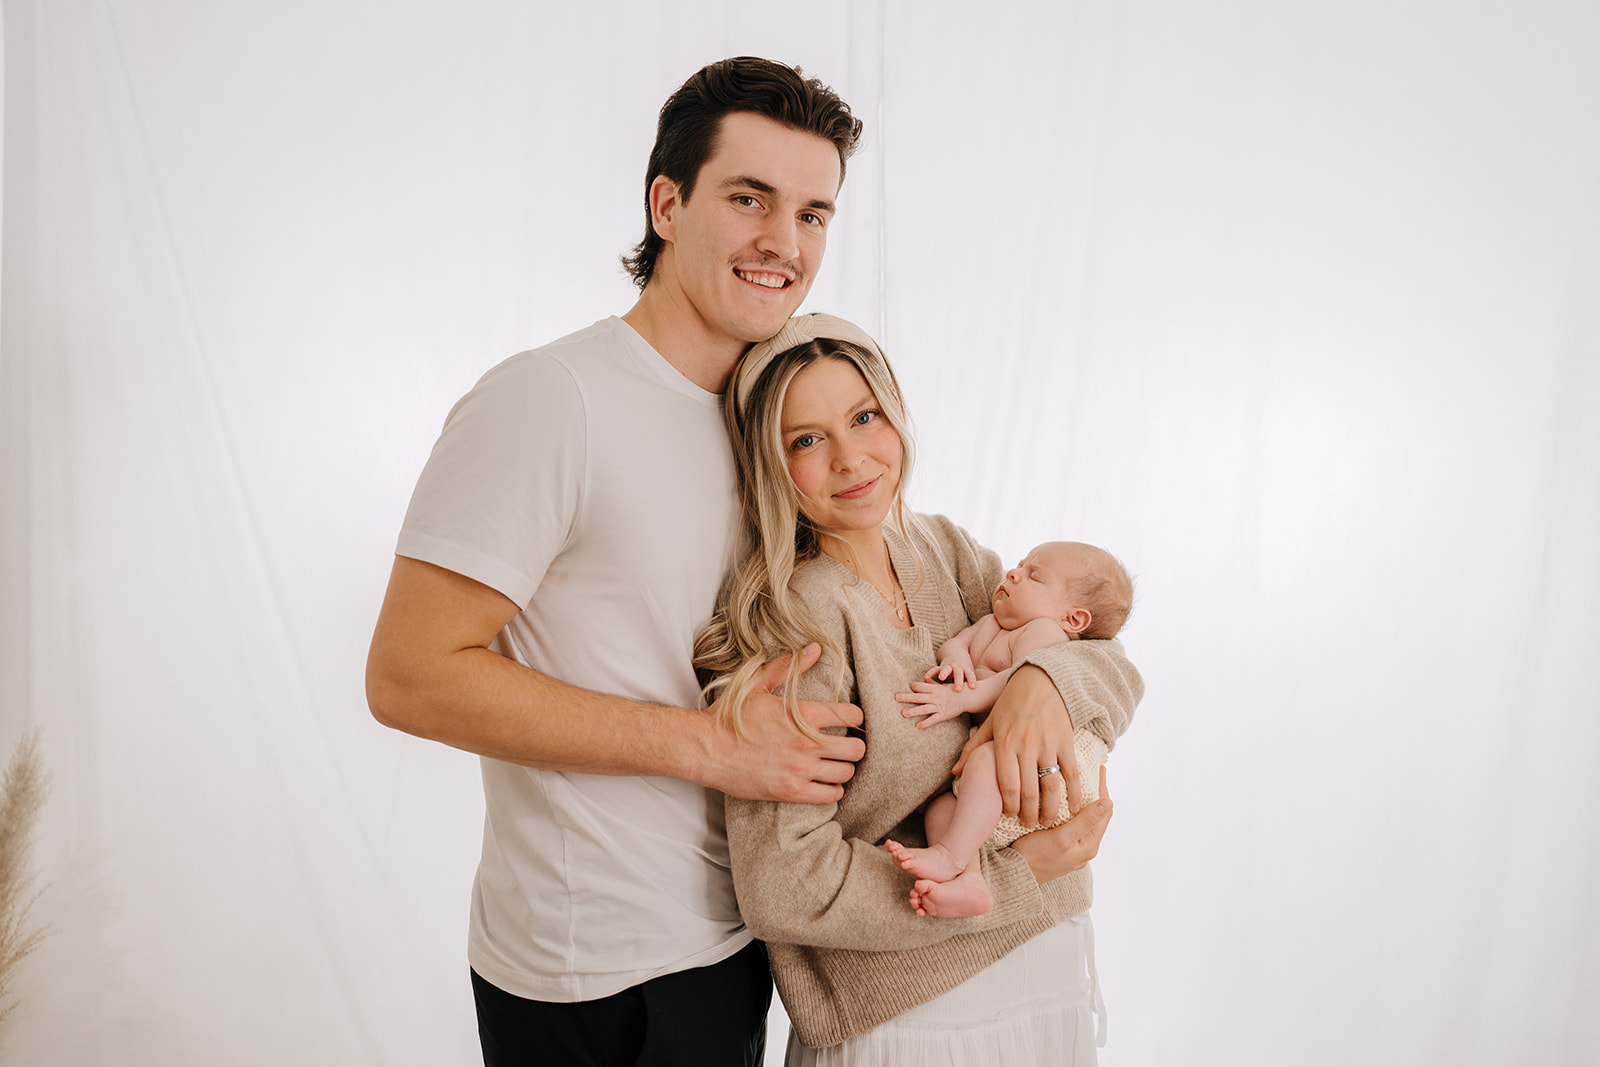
{"x":745,"y":181}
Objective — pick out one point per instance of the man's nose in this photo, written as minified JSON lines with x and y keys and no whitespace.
{"x":780,"y":238}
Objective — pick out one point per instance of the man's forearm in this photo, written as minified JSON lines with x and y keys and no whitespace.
{"x":484,"y":703}
{"x":430,"y":673}
{"x":497,"y":708}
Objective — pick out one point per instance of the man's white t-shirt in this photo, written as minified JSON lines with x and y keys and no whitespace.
{"x":592,"y":484}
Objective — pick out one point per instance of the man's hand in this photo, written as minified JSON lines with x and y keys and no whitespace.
{"x":1062,"y":849}
{"x":776,"y":761}
{"x":937,"y":702}
{"x":1031,"y":729}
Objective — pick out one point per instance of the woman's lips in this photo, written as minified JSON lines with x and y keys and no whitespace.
{"x":859,"y":490}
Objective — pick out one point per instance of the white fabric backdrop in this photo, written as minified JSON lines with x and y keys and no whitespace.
{"x":1294,"y":306}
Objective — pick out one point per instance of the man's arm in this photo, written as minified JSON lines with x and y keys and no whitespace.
{"x":430,"y":673}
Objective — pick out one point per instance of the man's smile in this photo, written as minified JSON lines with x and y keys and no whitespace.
{"x":769,"y":279}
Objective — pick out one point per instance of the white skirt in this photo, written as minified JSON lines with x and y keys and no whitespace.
{"x":1034,"y":1007}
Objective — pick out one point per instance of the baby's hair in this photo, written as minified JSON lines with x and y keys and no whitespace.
{"x":1108,"y":595}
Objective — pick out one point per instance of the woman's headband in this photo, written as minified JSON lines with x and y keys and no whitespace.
{"x":797,"y":331}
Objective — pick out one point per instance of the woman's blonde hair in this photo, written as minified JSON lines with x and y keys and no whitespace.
{"x":758,"y":616}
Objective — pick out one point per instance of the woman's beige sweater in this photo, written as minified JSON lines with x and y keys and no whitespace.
{"x":814,"y":881}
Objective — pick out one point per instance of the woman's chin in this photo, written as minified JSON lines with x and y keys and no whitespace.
{"x":846,"y":526}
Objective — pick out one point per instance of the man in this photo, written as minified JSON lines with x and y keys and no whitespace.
{"x":571,"y":527}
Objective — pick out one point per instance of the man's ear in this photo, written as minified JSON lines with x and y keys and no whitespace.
{"x":664,"y":204}
{"x":1076,"y":621}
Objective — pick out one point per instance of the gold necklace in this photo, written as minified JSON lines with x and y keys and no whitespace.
{"x":897,"y":605}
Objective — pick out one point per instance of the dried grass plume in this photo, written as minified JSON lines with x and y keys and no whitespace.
{"x":21,"y":797}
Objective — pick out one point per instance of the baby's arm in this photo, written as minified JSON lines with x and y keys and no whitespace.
{"x":955,"y":655}
{"x":941,"y":702}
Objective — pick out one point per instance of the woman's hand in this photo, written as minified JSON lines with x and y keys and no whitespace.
{"x":1065,"y":848}
{"x":1031,"y":728}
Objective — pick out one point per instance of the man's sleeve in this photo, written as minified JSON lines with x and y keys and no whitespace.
{"x":500,"y":493}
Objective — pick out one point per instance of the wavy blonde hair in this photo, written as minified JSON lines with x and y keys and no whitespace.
{"x":758,"y":615}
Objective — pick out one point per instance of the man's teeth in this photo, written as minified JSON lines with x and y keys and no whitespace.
{"x":771,"y":281}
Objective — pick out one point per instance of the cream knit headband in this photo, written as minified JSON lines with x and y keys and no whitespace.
{"x":797,"y":331}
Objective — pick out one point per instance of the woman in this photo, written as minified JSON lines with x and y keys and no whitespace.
{"x":820,"y":438}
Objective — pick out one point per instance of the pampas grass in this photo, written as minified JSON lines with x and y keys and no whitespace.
{"x":21,"y":797}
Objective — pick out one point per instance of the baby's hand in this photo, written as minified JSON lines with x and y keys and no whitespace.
{"x":956,"y":668}
{"x":937,"y":702}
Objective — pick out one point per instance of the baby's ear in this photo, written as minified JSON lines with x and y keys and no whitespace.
{"x":1076,"y":620}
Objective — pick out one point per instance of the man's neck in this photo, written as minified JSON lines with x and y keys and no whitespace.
{"x":683,"y":339}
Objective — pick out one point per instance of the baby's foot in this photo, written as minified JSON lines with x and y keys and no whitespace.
{"x":934,"y":863}
{"x":966,"y":894}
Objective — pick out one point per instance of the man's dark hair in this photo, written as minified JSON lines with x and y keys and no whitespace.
{"x":686,"y":134}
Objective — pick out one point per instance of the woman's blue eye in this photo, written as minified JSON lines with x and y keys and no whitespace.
{"x":805,"y":440}
{"x":865,"y":417}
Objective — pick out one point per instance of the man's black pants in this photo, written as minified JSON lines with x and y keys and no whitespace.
{"x":712,"y":1016}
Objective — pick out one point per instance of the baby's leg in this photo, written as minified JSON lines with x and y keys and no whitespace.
{"x":936,"y":862}
{"x":951,"y":882}
{"x":936,"y":820}
{"x":975,"y":810}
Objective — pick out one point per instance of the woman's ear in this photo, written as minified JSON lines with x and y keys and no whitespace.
{"x":1076,"y":621}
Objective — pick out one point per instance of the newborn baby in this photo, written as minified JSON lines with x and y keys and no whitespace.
{"x":1062,"y":591}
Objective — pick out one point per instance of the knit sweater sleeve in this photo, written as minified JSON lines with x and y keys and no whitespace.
{"x":1100,"y":685}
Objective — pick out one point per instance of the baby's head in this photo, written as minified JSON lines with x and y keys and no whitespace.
{"x":1080,"y":586}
